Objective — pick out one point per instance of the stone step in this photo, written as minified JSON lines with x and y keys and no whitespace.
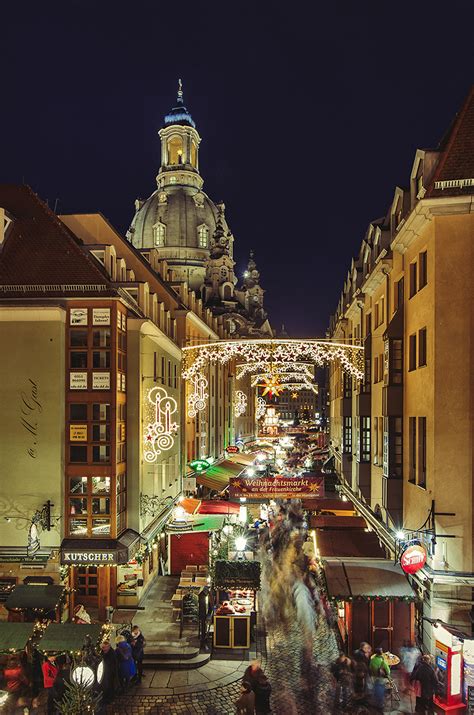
{"x":182,"y":663}
{"x":164,"y":652}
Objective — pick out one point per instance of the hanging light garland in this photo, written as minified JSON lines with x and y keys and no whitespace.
{"x":240,"y":403}
{"x":197,"y":400}
{"x":264,"y":367}
{"x":260,"y":408}
{"x":319,"y":352}
{"x":271,"y":385}
{"x":160,"y":431}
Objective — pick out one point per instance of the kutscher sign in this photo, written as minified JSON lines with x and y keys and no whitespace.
{"x":413,"y":558}
{"x":276,"y":487}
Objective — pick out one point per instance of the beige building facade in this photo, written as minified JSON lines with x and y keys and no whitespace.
{"x":402,"y":438}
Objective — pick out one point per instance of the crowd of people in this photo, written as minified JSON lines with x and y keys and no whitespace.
{"x":363,"y":681}
{"x":37,"y":684}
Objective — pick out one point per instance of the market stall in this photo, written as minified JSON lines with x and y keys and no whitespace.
{"x":32,"y":602}
{"x":69,"y":637}
{"x":14,"y":637}
{"x":374,"y":603}
{"x":189,"y":540}
{"x":236,"y":584}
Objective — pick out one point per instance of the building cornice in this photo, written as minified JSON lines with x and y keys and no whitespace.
{"x":147,"y":327}
{"x":10,"y":314}
{"x":376,"y":277}
{"x":198,"y":322}
{"x":423,"y":212}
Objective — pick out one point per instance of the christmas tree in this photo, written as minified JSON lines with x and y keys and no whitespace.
{"x":78,"y":699}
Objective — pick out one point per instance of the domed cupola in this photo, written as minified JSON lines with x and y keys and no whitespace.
{"x":179,"y":220}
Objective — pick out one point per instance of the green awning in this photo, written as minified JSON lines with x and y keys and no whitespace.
{"x":68,"y":637}
{"x":41,"y":598}
{"x":217,"y":477}
{"x":14,"y":636}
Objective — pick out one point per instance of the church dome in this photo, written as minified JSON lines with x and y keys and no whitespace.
{"x":175,"y":217}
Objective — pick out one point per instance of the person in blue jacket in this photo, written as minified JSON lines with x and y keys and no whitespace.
{"x":126,"y":665}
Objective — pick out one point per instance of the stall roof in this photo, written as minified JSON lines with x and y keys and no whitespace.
{"x":337,"y":522}
{"x":62,"y":637}
{"x":190,"y":506}
{"x":46,"y":598}
{"x":217,"y":476}
{"x":243,"y":458}
{"x":349,"y":543}
{"x":218,"y":507}
{"x":352,"y":580}
{"x":334,"y":505}
{"x":15,"y":636}
{"x":199,"y":522}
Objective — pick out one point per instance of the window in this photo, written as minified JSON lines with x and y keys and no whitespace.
{"x":159,"y":234}
{"x":422,"y":347}
{"x":203,"y":236}
{"x":412,"y":449}
{"x":162,"y":371}
{"x":412,"y":352}
{"x":78,"y":359}
{"x":422,"y":270}
{"x":376,"y":439}
{"x":347,"y":437}
{"x":376,"y":369}
{"x":101,"y":338}
{"x":368,"y":324}
{"x":78,"y":338}
{"x":101,"y":505}
{"x":101,"y":526}
{"x":101,"y":453}
{"x":365,"y":439}
{"x":78,"y":411}
{"x":101,"y":411}
{"x":413,"y":286}
{"x":101,"y":358}
{"x":421,"y":452}
{"x":78,"y":506}
{"x":399,"y":293}
{"x":101,"y":432}
{"x":78,"y":485}
{"x":101,"y":485}
{"x":77,"y":453}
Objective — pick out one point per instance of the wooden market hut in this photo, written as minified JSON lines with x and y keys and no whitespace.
{"x":69,"y":637}
{"x":374,"y":602}
{"x":31,"y":602}
{"x":14,"y":637}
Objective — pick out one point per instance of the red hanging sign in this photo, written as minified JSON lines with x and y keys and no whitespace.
{"x":276,"y":487}
{"x":232,"y":449}
{"x":413,"y":558}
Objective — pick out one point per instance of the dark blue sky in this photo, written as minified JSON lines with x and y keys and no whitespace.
{"x":310,"y":114}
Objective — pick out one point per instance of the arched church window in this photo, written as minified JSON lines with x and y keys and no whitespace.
{"x":203,"y":236}
{"x":159,"y":234}
{"x":175,"y":150}
{"x":223,"y":272}
{"x":227,"y":292}
{"x":193,"y":154}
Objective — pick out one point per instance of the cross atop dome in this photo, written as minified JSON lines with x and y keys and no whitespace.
{"x":179,"y":115}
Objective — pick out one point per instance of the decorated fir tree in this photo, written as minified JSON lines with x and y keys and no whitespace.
{"x":79,"y":699}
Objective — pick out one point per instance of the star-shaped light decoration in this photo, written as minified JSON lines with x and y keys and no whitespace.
{"x":294,"y":395}
{"x":272,"y":385}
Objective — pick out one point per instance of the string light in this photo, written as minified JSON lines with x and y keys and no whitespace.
{"x":240,"y":403}
{"x":198,"y":398}
{"x":160,"y":431}
{"x":260,"y":408}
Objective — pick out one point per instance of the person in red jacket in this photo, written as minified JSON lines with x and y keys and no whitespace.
{"x":16,"y":680}
{"x":50,"y":672}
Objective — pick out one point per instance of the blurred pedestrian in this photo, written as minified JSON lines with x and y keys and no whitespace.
{"x":246,"y":703}
{"x":59,"y":688}
{"x":16,"y":680}
{"x":262,"y":690}
{"x":50,"y":672}
{"x":126,"y":665}
{"x":425,"y":675}
{"x":342,"y":663}
{"x":409,"y":657}
{"x":109,"y":682}
{"x":138,"y":651}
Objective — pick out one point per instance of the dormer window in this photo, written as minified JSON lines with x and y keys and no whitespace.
{"x":159,"y":234}
{"x":203,"y":236}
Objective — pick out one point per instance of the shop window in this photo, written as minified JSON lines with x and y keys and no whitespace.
{"x":101,"y":358}
{"x":78,"y":338}
{"x":78,"y":411}
{"x":100,"y":505}
{"x":101,"y":412}
{"x":78,"y":506}
{"x":101,"y":526}
{"x":77,"y":527}
{"x":101,"y":453}
{"x":77,"y":453}
{"x":100,"y":485}
{"x":101,"y":338}
{"x":78,"y":359}
{"x":78,"y":485}
{"x":101,"y":432}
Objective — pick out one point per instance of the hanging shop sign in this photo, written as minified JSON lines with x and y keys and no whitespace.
{"x":101,"y":316}
{"x":78,"y":433}
{"x":199,"y":465}
{"x":413,"y":558}
{"x":101,"y":380}
{"x":276,"y":487}
{"x":78,"y":380}
{"x":232,"y":449}
{"x":78,"y":316}
{"x":73,"y":558}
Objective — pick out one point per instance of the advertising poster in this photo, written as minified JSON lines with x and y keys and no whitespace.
{"x":101,"y":316}
{"x":78,"y":380}
{"x":78,"y":316}
{"x":276,"y":487}
{"x":101,"y":380}
{"x":78,"y":433}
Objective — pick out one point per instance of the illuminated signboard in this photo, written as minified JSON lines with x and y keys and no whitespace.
{"x":276,"y":487}
{"x":199,"y":465}
{"x":413,"y":558}
{"x":232,"y":449}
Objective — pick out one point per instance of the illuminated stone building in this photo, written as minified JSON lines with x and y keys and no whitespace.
{"x":402,"y":439}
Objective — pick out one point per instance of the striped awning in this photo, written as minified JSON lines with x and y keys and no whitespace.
{"x":217,"y":477}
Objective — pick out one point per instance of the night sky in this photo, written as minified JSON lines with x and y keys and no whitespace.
{"x":309,"y":113}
